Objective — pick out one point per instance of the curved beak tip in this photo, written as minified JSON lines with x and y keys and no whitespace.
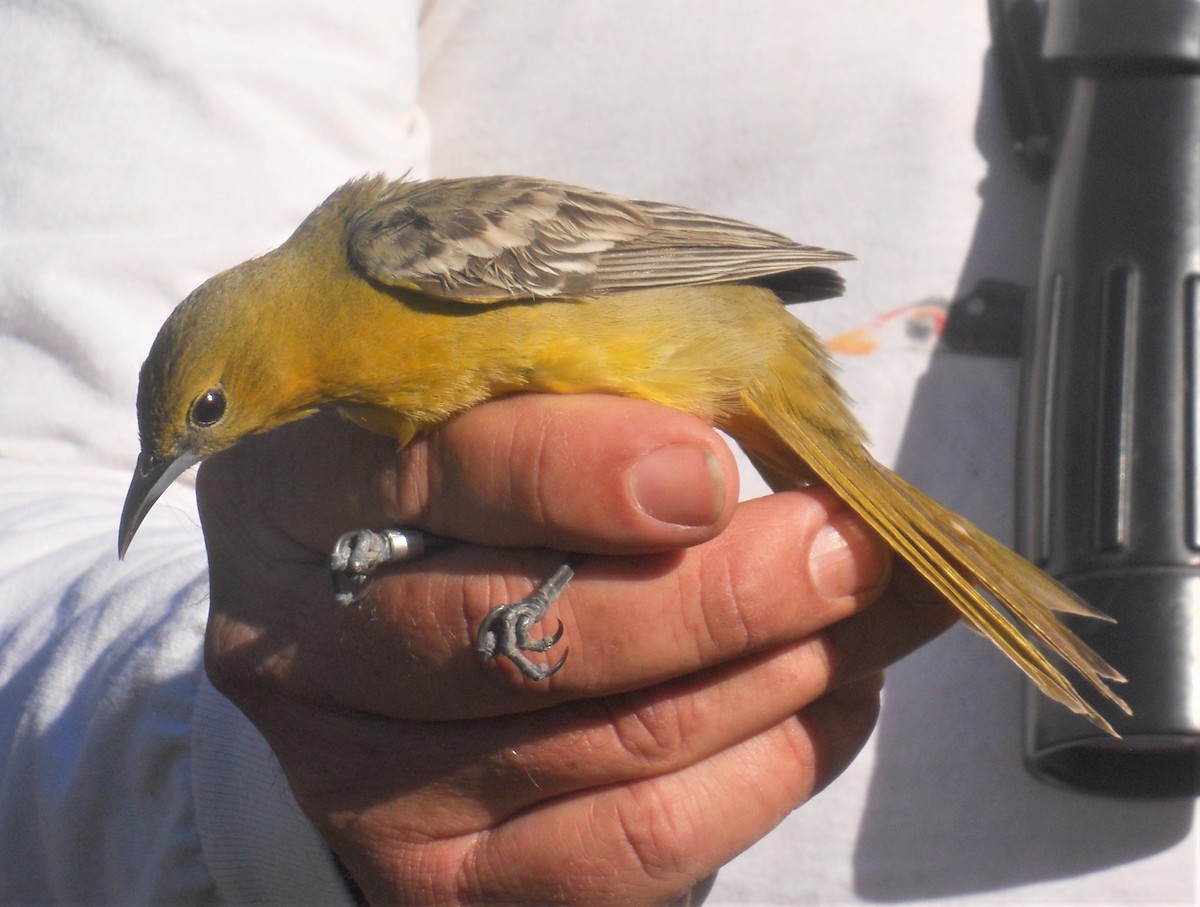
{"x":151,"y":478}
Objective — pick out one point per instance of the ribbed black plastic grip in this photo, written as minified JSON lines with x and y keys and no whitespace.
{"x":1109,"y":492}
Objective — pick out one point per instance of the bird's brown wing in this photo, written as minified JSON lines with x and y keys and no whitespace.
{"x":490,"y":239}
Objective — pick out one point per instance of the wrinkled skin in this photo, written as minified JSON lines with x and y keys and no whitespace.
{"x":710,"y":689}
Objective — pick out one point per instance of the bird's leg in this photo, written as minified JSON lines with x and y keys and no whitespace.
{"x":358,"y":554}
{"x":505,"y":631}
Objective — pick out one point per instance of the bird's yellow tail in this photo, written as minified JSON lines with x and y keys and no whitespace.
{"x":1000,"y":594}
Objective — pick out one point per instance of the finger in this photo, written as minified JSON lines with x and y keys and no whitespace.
{"x":646,"y":841}
{"x":464,"y":775}
{"x":586,"y":472}
{"x":908,"y":614}
{"x":629,"y":622}
{"x":839,"y":724}
{"x":676,"y":829}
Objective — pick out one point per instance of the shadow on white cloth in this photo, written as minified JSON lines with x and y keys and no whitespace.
{"x":950,"y":808}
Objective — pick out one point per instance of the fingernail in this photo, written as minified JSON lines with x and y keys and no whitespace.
{"x":680,"y":484}
{"x":846,"y":558}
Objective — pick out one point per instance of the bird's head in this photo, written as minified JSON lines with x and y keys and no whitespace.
{"x":218,"y":370}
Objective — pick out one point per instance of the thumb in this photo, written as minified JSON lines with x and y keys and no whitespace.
{"x":592,"y":473}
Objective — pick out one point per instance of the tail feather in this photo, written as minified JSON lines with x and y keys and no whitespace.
{"x":1027,"y":592}
{"x":959,"y":560}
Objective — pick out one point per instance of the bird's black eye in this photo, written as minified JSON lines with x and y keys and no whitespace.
{"x":208,"y":408}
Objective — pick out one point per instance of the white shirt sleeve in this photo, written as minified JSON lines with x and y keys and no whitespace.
{"x":144,"y":147}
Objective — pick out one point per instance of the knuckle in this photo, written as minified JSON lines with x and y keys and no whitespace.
{"x":654,"y":734}
{"x":239,"y":662}
{"x":839,"y":648}
{"x":821,"y":659}
{"x":530,"y":475}
{"x":728,"y":617}
{"x":802,"y":758}
{"x":656,"y":831}
{"x":407,"y":477}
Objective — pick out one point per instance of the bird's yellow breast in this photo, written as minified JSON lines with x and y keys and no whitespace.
{"x":404,"y":360}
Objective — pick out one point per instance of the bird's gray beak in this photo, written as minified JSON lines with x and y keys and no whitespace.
{"x":150,"y":479}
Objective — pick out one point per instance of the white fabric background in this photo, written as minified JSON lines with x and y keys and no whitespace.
{"x":144,"y":146}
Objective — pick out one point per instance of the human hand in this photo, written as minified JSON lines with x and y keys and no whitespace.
{"x":721,"y":672}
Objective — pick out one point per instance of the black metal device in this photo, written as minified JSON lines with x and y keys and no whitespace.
{"x":1107,"y":103}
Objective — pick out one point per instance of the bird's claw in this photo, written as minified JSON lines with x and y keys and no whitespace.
{"x":358,"y":554}
{"x":505,"y":631}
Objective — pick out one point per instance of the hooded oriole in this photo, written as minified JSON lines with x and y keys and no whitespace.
{"x":403,"y":303}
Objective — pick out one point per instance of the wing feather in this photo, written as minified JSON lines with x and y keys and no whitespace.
{"x":489,"y":239}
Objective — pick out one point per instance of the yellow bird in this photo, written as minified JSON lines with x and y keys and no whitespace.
{"x":403,"y":303}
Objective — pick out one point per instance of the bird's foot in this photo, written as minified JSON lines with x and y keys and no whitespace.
{"x":358,"y":554}
{"x":505,"y":631}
